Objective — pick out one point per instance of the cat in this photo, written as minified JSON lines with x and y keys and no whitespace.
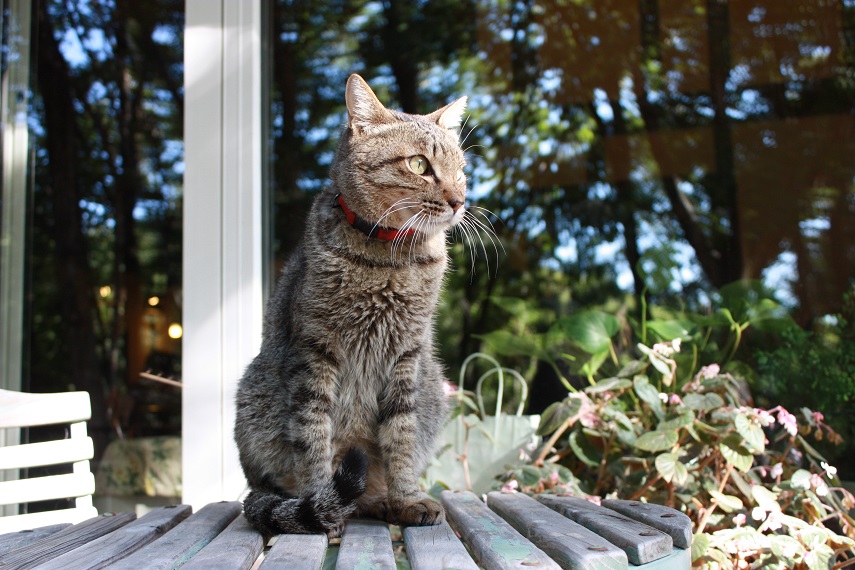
{"x":338,"y":414}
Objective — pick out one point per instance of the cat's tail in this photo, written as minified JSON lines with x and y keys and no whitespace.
{"x":322,"y":512}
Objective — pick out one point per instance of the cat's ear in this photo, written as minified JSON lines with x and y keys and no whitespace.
{"x":450,"y":116}
{"x":364,"y":110}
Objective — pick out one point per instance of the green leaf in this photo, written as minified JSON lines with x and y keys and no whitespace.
{"x":682,"y":420}
{"x":728,"y":503}
{"x":671,"y":469}
{"x":700,"y":544}
{"x":751,"y":432}
{"x":583,"y":449}
{"x":609,"y":384}
{"x":508,"y":344}
{"x":810,"y":449}
{"x":765,"y":499}
{"x":669,"y":330}
{"x":513,"y":305}
{"x":591,"y":330}
{"x":648,"y":394}
{"x":657,"y":440}
{"x":632,"y":368}
{"x":820,"y":557}
{"x":590,"y":368}
{"x":556,"y":414}
{"x":782,"y":543}
{"x":530,"y":476}
{"x":734,"y":452}
{"x":800,"y":479}
{"x":703,"y":402}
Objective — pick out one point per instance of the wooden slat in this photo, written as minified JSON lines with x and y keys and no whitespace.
{"x":670,"y":521}
{"x":45,"y":453}
{"x":366,"y":544}
{"x":15,"y":540}
{"x":64,"y":541}
{"x":182,"y":542}
{"x":495,"y":543}
{"x":121,"y":543}
{"x":45,"y":488}
{"x":237,"y":547}
{"x":34,"y":520}
{"x":296,"y":552}
{"x":21,"y":409}
{"x":641,"y":543}
{"x":565,"y":541}
{"x":436,"y":548}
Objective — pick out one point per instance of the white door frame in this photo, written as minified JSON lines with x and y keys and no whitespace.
{"x":223,"y":273}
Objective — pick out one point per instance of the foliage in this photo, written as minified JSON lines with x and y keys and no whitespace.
{"x":814,"y":368}
{"x":658,"y":420}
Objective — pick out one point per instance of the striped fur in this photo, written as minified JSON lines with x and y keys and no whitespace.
{"x":338,"y":413}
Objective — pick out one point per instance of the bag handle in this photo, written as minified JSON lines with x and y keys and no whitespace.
{"x":500,"y":371}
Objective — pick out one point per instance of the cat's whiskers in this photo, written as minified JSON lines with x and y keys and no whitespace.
{"x":401,"y":204}
{"x":471,"y":229}
{"x":398,"y":242}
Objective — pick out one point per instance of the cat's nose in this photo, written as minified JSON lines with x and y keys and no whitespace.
{"x":455,"y":204}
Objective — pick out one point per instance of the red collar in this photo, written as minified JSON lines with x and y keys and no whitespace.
{"x":366,"y":227}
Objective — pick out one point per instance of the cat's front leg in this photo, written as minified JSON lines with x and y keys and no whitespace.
{"x":398,"y":427}
{"x":311,"y":425}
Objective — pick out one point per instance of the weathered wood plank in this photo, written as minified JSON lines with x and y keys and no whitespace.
{"x":122,"y":542}
{"x":15,"y":540}
{"x":570,"y":544}
{"x":495,"y":543}
{"x":296,"y":552}
{"x":436,"y":548}
{"x":238,"y":546}
{"x":641,"y":543}
{"x":64,"y":541}
{"x":679,"y":559}
{"x":367,"y":545}
{"x":178,"y":545}
{"x":670,"y":521}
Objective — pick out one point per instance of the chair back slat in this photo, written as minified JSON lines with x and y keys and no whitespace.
{"x":21,"y":410}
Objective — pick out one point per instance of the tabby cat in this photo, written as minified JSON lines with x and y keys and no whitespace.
{"x":338,"y":413}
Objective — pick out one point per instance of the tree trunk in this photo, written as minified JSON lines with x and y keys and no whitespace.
{"x":71,"y":254}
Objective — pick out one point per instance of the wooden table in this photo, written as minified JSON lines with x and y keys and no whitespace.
{"x":511,"y":531}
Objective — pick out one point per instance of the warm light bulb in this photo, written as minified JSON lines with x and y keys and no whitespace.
{"x":175,"y":331}
{"x":153,"y":301}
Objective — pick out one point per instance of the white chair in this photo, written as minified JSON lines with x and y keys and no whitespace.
{"x":19,"y":409}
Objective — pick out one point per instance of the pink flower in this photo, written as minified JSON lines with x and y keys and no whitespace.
{"x":739,"y":519}
{"x":788,"y":421}
{"x":675,"y":400}
{"x":819,"y":486}
{"x":511,"y":486}
{"x":829,"y":470}
{"x":553,"y":478}
{"x":818,"y":417}
{"x":449,"y":388}
{"x":777,"y":470}
{"x":710,"y":371}
{"x":766,"y":419}
{"x":773,"y":523}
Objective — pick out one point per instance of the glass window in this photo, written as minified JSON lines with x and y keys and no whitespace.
{"x":623,"y":151}
{"x":103,"y":241}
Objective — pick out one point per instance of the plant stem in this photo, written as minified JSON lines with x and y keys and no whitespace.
{"x":556,"y":435}
{"x":708,"y":513}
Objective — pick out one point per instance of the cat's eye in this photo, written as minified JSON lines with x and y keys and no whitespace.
{"x":418,"y":164}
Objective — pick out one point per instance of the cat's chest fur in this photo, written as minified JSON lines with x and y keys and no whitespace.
{"x":373,"y":315}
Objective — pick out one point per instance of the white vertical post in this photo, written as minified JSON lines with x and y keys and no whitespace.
{"x":222,"y":296}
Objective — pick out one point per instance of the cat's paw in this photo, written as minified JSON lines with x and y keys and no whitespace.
{"x":421,"y":510}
